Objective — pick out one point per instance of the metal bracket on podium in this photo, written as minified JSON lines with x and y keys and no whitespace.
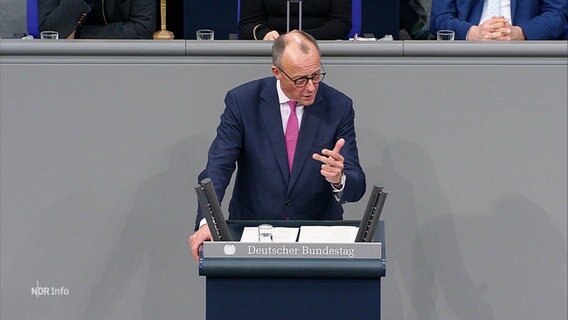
{"x":299,"y":2}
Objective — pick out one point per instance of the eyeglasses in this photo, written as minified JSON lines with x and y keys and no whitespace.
{"x":303,"y":81}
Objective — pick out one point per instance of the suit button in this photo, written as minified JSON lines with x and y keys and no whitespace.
{"x":288,"y":203}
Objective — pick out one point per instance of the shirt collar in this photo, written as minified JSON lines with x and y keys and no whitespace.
{"x":282,"y":98}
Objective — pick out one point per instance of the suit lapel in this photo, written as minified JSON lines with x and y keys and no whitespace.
{"x":476,"y":7}
{"x":272,"y":119}
{"x":309,"y":129}
{"x":513,"y":8}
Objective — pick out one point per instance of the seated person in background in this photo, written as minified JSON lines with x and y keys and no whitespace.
{"x":510,"y":20}
{"x":413,"y":19}
{"x":322,"y":19}
{"x":565,"y":35}
{"x":102,"y":19}
{"x":291,"y":139}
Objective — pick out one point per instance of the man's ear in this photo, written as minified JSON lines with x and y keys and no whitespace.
{"x":276,"y":72}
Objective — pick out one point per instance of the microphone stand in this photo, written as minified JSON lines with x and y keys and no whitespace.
{"x":299,"y":2}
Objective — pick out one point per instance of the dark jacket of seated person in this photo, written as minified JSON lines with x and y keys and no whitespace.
{"x":99,"y":19}
{"x":538,"y":19}
{"x":323,"y":19}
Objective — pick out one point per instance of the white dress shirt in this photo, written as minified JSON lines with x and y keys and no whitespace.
{"x":505,"y":9}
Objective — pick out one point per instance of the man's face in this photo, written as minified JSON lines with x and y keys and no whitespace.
{"x":297,"y":64}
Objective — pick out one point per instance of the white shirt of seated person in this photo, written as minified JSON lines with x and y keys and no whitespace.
{"x":502,"y":8}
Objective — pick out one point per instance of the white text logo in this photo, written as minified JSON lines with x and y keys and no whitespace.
{"x":229,"y":249}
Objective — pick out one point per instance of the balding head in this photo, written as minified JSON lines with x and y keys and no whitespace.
{"x":296,"y":39}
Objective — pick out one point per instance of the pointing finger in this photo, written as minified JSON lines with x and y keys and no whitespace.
{"x":338,"y":145}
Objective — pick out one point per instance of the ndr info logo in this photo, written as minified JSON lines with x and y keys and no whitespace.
{"x":49,"y":291}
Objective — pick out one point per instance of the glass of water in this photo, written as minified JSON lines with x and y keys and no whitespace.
{"x":445,"y":35}
{"x":49,"y":35}
{"x":205,"y":34}
{"x":265,"y":233}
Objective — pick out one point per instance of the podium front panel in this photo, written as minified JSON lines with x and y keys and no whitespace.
{"x":285,"y":298}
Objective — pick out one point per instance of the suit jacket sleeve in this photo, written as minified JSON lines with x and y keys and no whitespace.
{"x":545,"y":20}
{"x":446,"y":16}
{"x":224,"y":151}
{"x":355,"y":178}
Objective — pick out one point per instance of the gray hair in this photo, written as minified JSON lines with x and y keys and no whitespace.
{"x":301,"y":38}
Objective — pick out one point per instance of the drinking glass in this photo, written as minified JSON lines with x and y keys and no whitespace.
{"x":205,"y":34}
{"x":265,"y":233}
{"x":445,"y":35}
{"x":49,"y":35}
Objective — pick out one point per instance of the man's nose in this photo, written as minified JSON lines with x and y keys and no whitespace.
{"x":310,"y":86}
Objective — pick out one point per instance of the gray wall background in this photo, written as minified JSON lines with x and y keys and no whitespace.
{"x":99,"y":157}
{"x":12,"y":17}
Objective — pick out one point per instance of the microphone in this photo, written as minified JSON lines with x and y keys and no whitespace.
{"x":299,"y":2}
{"x":80,"y":22}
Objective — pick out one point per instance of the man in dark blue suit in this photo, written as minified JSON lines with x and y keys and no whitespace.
{"x":308,"y":182}
{"x":514,"y":20}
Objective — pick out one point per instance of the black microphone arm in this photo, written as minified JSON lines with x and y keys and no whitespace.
{"x":212,"y":211}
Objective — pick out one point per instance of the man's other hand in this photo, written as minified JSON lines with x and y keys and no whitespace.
{"x":196,"y":240}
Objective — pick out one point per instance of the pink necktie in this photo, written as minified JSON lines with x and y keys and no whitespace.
{"x":292,"y":129}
